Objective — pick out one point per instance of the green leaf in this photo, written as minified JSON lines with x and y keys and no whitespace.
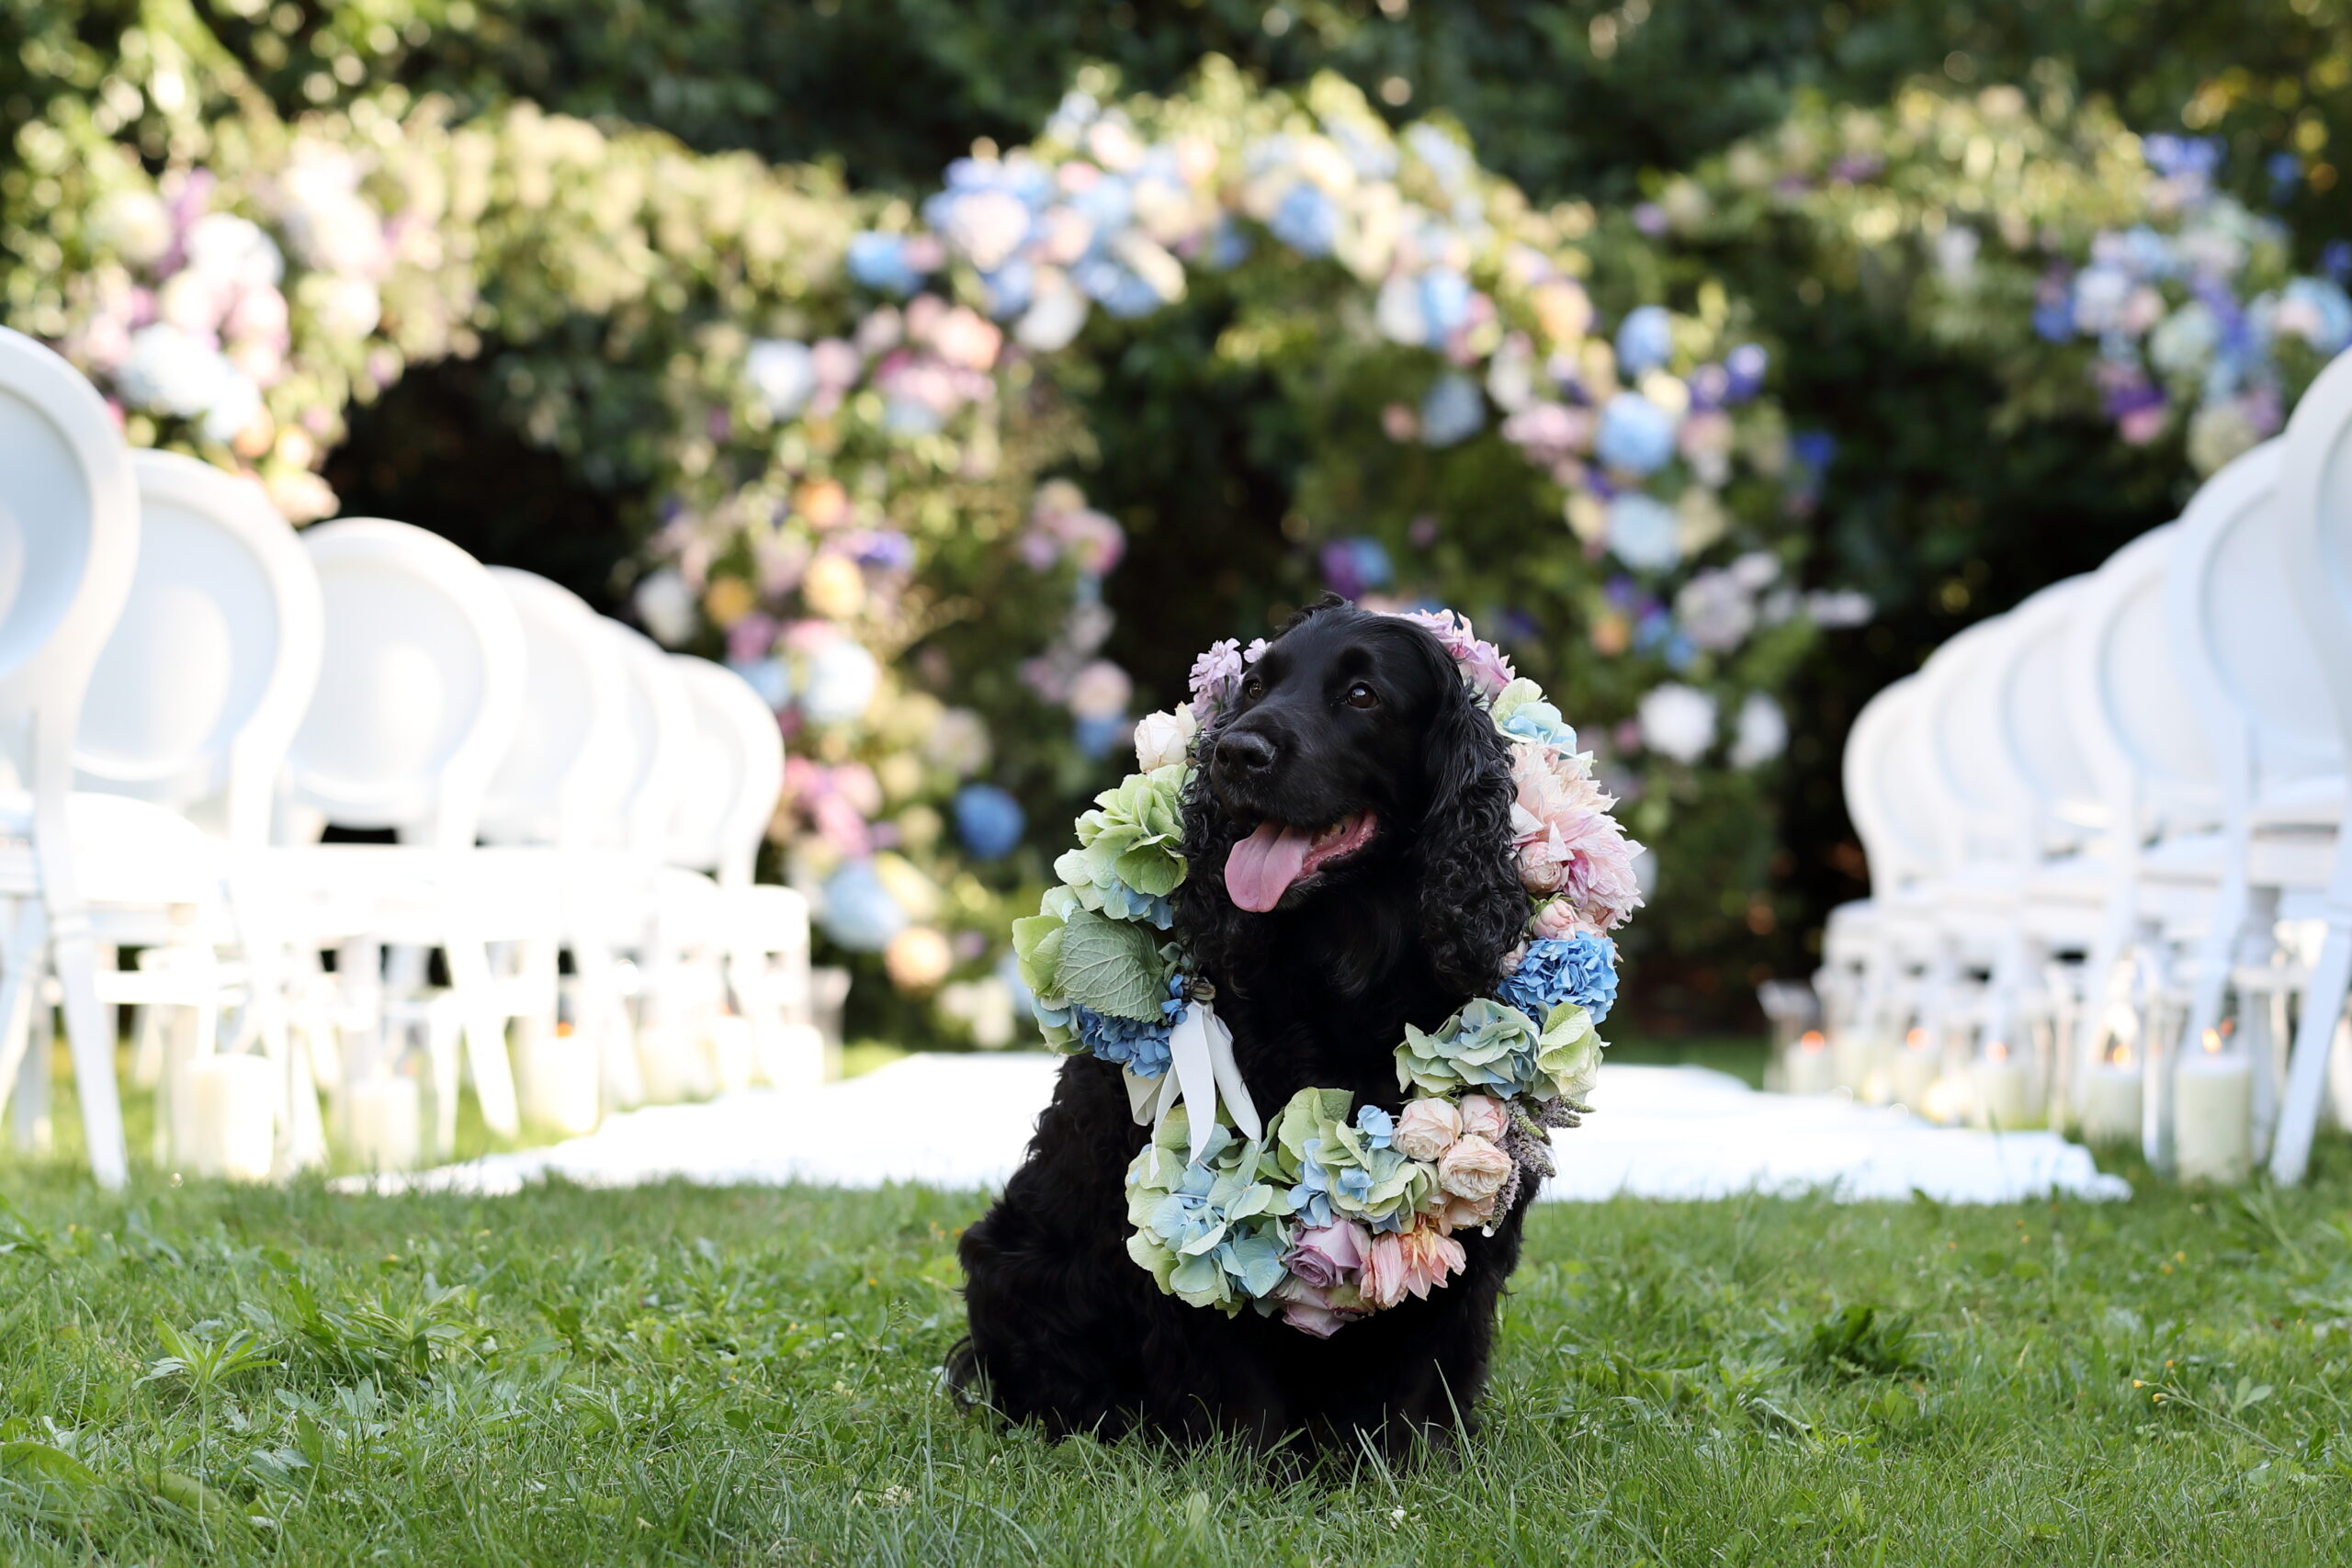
{"x":1112,"y":966}
{"x":27,"y":1458}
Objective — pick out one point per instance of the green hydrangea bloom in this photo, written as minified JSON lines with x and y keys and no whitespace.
{"x":1570,"y":1053}
{"x":1037,"y":950}
{"x":1494,"y":1048}
{"x":1330,"y":1160}
{"x":1131,"y":848}
{"x":1211,"y":1232}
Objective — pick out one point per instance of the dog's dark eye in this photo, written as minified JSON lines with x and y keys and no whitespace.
{"x":1252,"y":687}
{"x":1362,"y":696}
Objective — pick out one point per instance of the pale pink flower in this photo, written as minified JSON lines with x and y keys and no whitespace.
{"x":1482,"y":664}
{"x":1450,"y":1214}
{"x":1567,"y":843}
{"x":1413,"y":1262}
{"x":1321,"y":1311}
{"x":1483,"y":1116}
{"x":1555,"y":919}
{"x":1214,"y":673}
{"x":1383,"y":1271}
{"x":1324,"y":1256}
{"x":1428,"y":1128}
{"x":1474,"y":1168}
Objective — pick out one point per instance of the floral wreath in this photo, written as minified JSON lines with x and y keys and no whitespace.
{"x":1334,"y":1210}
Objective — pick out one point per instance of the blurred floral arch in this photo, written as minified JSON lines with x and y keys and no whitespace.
{"x":858,"y":423}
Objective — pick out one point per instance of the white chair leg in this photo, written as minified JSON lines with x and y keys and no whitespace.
{"x":19,"y":990}
{"x":603,"y":1018}
{"x":75,"y":960}
{"x":485,"y":1032}
{"x":2315,"y":1038}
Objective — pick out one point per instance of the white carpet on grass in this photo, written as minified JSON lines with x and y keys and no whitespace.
{"x":962,"y":1121}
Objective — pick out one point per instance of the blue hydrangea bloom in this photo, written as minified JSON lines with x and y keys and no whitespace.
{"x":1455,"y":410}
{"x":1645,"y":340}
{"x":1636,"y":434}
{"x":857,"y":910}
{"x":1141,"y":1048}
{"x":1305,"y":220}
{"x":989,"y":821}
{"x":1095,"y":737}
{"x":1541,"y":722}
{"x":1580,"y":969}
{"x":1747,"y":364}
{"x":1377,"y":1126}
{"x":1444,"y":297}
{"x":879,"y":262}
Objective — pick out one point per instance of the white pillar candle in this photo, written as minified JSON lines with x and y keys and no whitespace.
{"x":1915,"y":1070}
{"x":2001,"y":1098}
{"x":562,"y":1087}
{"x":384,"y":1123}
{"x":233,"y":1105}
{"x":2213,"y":1114}
{"x":1811,"y":1065}
{"x":2110,"y":1103}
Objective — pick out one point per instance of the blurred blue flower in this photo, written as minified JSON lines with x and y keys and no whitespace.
{"x":1228,"y":245}
{"x":1010,"y":288}
{"x":1444,"y":298}
{"x":1454,"y":410}
{"x":1745,"y":365}
{"x":1644,"y":532}
{"x":989,"y":821}
{"x":1352,"y":568}
{"x":1636,"y":434}
{"x":2336,"y":260}
{"x":879,"y":262}
{"x":1645,"y":340}
{"x":857,"y":910}
{"x":1816,"y":449}
{"x":842,"y":677}
{"x":766,"y":676}
{"x":1306,"y":220}
{"x":1096,"y":736}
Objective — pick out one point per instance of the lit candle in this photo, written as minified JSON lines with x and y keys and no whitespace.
{"x":1812,"y":1069}
{"x":560,"y":1088}
{"x":1914,"y":1071}
{"x":384,"y":1120}
{"x":2213,"y":1114}
{"x":2000,"y":1087}
{"x":2110,"y":1105}
{"x":232,"y":1103}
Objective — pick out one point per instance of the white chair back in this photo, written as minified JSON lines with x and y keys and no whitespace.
{"x":721,"y":817}
{"x":2315,"y":537}
{"x":198,"y":691}
{"x":2146,"y":742}
{"x":1896,"y":826}
{"x":420,"y":684}
{"x":69,"y":541}
{"x":563,"y":778}
{"x":1992,"y":814}
{"x":658,"y":738}
{"x":2037,"y":727}
{"x":2252,"y":673}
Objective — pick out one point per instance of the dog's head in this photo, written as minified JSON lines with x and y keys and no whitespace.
{"x":1352,"y":756}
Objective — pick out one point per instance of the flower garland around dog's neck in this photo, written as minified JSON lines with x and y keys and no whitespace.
{"x":1336,"y":1210}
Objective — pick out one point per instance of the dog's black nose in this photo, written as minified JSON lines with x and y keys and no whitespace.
{"x":1246,"y":753}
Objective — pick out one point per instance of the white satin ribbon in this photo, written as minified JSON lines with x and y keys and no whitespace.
{"x":1201,"y":1070}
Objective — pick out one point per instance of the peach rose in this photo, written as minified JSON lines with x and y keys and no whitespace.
{"x":1483,"y":1116}
{"x":1428,"y":1128}
{"x":1474,"y":1168}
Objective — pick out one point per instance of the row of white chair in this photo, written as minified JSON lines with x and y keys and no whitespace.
{"x":2109,"y":838}
{"x":192,"y":694}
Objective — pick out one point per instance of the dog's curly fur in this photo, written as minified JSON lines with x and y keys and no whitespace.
{"x":1066,"y":1329}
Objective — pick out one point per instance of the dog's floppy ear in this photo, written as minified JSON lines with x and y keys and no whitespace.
{"x":1472,"y":906}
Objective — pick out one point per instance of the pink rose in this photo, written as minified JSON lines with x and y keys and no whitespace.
{"x":1474,"y":1168}
{"x":1328,"y":1255}
{"x":1414,"y":1262}
{"x":1484,"y":1117}
{"x":1555,"y":919}
{"x":1319,"y":1310}
{"x":1450,"y":1214}
{"x":1428,"y":1128}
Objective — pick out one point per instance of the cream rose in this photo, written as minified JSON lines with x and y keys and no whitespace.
{"x":1165,"y":738}
{"x":1484,"y":1117}
{"x":1428,"y":1128}
{"x":1473,"y":1168}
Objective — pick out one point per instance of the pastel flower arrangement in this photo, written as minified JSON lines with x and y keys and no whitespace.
{"x":1338,"y":1209}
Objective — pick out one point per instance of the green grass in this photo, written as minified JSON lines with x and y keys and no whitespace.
{"x":680,"y":1375}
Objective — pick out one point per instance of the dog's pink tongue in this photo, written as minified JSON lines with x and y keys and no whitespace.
{"x":1264,"y":865}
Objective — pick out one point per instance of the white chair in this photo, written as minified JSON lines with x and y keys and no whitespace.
{"x":2256,"y":680}
{"x":420,"y":689}
{"x":658,"y":744}
{"x":69,"y":539}
{"x":189,"y":715}
{"x":721,"y":823}
{"x":554,"y":806}
{"x":2315,"y":506}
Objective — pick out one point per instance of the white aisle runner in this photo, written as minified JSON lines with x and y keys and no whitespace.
{"x":962,"y":1121}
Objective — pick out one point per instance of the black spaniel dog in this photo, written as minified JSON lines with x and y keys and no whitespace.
{"x":1351,"y":872}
